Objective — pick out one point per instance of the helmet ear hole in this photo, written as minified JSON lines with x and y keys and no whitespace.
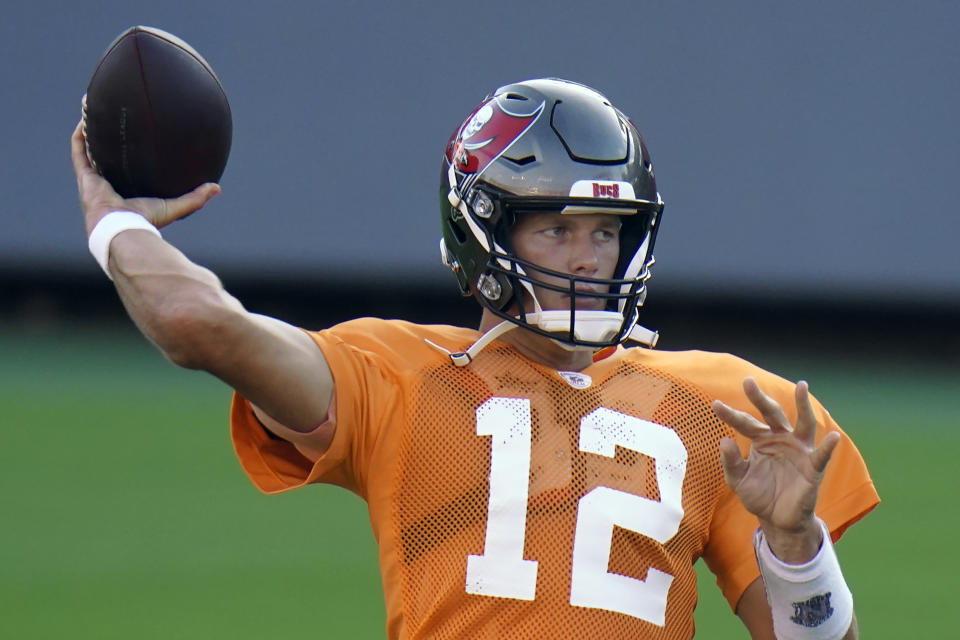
{"x":501,"y":232}
{"x":457,"y":233}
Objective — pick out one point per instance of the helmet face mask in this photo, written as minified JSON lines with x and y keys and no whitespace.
{"x":548,"y":146}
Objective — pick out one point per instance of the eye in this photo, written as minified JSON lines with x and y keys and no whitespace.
{"x":605,"y":235}
{"x":554,"y":232}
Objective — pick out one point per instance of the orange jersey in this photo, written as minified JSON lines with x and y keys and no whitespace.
{"x":512,"y":500}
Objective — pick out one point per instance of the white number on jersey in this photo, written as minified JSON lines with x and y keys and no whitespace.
{"x":502,"y":571}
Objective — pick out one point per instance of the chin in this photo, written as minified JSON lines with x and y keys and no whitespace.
{"x":592,"y":305}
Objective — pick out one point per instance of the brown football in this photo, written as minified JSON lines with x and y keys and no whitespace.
{"x":155,"y":117}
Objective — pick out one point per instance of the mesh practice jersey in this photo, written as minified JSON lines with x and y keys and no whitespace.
{"x":509,"y":500}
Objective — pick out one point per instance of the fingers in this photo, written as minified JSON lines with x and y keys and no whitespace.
{"x":734,"y":466}
{"x":78,"y":151}
{"x":771,"y":411}
{"x":741,"y":421}
{"x":773,"y":415}
{"x":821,"y":455}
{"x":806,"y":428}
{"x":177,"y":208}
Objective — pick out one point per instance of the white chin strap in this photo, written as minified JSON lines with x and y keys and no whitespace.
{"x":594,"y":326}
{"x":644,"y":336}
{"x":463,"y":358}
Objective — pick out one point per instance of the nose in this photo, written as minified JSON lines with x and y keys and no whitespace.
{"x":584,"y":256}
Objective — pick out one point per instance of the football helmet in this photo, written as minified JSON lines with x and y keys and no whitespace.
{"x":549,"y":145}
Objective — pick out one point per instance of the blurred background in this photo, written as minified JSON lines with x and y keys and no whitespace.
{"x":807,"y":154}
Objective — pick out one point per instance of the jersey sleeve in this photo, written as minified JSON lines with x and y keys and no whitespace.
{"x":846,"y":495}
{"x":366,"y":389}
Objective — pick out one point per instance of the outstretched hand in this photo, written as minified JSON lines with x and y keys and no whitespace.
{"x":97,"y":197}
{"x":779,"y":480}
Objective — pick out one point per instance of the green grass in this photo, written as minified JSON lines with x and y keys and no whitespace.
{"x":125,"y":514}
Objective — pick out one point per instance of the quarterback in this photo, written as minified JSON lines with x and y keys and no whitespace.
{"x":534,"y":477}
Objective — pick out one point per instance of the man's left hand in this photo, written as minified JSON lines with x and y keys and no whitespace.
{"x":779,"y":479}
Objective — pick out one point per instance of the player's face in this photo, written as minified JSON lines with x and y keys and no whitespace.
{"x":584,"y":245}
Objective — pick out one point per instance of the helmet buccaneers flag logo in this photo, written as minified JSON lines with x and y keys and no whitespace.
{"x":486,"y":134}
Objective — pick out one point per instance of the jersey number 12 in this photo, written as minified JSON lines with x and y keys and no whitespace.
{"x":502,"y":570}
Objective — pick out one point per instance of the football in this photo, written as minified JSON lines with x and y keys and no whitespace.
{"x":155,"y":116}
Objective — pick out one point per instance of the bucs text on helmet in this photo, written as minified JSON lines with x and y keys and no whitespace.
{"x":549,"y":145}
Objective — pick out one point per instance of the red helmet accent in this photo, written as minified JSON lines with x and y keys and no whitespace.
{"x":486,"y":134}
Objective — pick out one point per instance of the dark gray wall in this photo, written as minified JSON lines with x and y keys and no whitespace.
{"x":799,"y":146}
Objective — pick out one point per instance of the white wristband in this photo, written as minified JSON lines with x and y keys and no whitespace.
{"x":108,"y":227}
{"x":809,"y":601}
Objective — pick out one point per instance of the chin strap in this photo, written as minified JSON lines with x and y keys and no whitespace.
{"x":644,"y":336}
{"x":463,"y":358}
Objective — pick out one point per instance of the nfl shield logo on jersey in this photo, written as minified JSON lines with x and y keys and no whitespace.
{"x":576,"y":379}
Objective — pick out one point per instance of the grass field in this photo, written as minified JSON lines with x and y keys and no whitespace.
{"x":125,"y":514}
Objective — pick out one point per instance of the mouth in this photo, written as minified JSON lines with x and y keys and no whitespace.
{"x":587,"y":298}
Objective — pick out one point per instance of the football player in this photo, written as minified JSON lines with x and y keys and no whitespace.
{"x":534,"y":478}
